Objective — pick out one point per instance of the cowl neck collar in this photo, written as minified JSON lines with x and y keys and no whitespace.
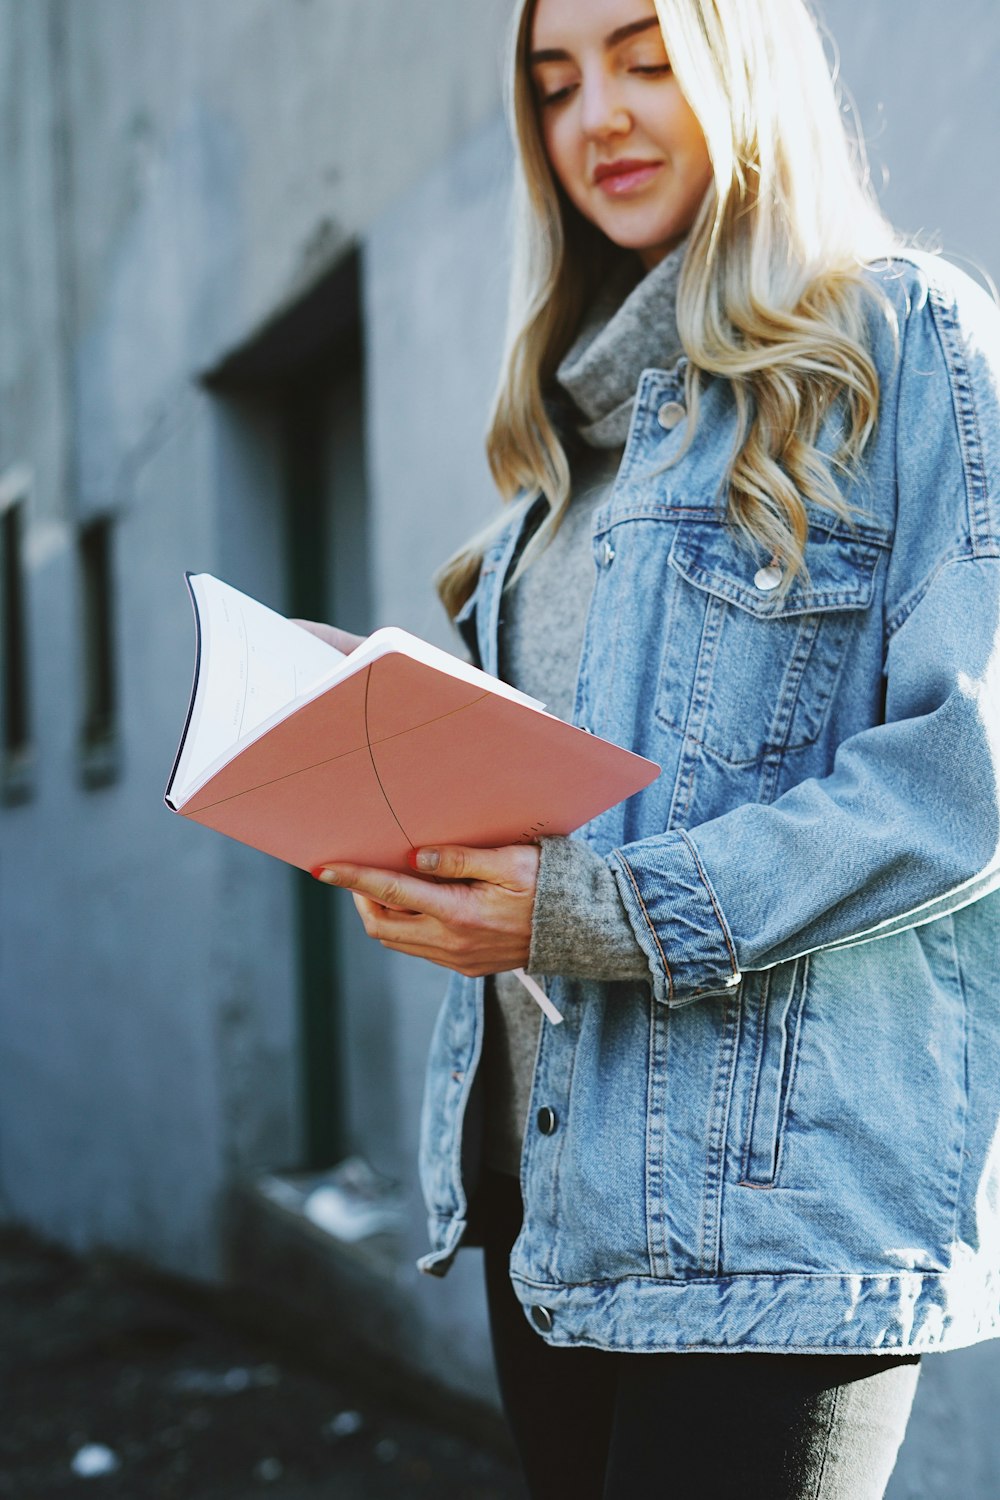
{"x":630,"y":326}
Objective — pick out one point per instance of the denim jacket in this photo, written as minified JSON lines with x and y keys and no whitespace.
{"x":788,"y":1140}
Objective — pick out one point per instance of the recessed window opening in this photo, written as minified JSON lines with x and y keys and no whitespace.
{"x":97,"y":596}
{"x":13,"y":643}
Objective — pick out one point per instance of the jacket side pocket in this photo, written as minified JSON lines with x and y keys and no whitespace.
{"x":773,"y":1035}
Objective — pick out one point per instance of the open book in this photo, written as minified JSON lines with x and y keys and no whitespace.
{"x":315,"y":757}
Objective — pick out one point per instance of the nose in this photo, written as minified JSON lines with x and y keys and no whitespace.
{"x":602,"y":114}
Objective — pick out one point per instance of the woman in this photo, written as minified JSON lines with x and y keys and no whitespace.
{"x":753,"y":449}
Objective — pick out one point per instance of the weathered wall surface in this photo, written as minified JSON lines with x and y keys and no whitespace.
{"x":174,"y":177}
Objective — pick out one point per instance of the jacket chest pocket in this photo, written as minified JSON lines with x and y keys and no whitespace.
{"x":743,"y":674}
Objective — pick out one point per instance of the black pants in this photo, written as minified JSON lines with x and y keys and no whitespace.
{"x":593,"y":1425}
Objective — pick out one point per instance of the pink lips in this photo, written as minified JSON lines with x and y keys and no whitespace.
{"x":618,"y":177}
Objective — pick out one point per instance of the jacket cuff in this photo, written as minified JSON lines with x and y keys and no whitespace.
{"x":580,"y":928}
{"x":676,"y":918}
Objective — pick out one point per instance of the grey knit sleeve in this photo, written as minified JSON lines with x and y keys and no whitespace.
{"x":580,"y":927}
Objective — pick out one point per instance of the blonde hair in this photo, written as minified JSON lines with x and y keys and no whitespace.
{"x":771,"y":294}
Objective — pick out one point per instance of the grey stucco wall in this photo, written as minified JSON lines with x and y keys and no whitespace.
{"x":435,"y":293}
{"x":175,"y":175}
{"x":923,"y":77}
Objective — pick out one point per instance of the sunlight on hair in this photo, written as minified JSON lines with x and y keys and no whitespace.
{"x":773,"y":295}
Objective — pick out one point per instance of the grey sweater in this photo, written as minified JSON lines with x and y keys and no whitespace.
{"x":580,"y":927}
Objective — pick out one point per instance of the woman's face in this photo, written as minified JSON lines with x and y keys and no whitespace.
{"x":622,"y":139}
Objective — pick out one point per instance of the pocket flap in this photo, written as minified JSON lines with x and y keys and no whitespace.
{"x":841,"y":570}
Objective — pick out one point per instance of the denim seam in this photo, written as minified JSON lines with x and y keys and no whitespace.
{"x":798,"y":1008}
{"x":650,"y":510}
{"x":710,"y":1251}
{"x":664,"y":667}
{"x":822,"y":602}
{"x":792,"y":678}
{"x":958,"y":1171}
{"x":752,"y":1096}
{"x":465,"y":1092}
{"x":945,"y":318}
{"x":554,"y":1249}
{"x":882,"y":1279}
{"x":526,"y":1146}
{"x":780,"y":737}
{"x":798,"y":985}
{"x":715,"y":904}
{"x":767,"y":750}
{"x":906,"y":607}
{"x":698,"y":706}
{"x":657,"y":1234}
{"x":642,"y":906}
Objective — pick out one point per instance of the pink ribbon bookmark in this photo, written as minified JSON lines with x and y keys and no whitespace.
{"x":539,"y":996}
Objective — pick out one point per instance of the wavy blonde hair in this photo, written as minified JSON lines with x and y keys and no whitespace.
{"x":772,"y":290}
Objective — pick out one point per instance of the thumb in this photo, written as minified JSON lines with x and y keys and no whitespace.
{"x":514,"y":865}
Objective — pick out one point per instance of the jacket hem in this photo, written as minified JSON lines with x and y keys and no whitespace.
{"x":823,"y":1313}
{"x":446,"y":1236}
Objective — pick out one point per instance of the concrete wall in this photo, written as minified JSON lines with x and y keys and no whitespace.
{"x":923,"y":82}
{"x":176,"y":176}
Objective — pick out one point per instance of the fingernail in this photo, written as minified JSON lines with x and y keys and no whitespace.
{"x":428,"y":859}
{"x":329,"y":874}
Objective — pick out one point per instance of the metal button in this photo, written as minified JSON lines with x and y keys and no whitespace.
{"x":607,"y":553}
{"x":546,"y":1119}
{"x":542,"y":1318}
{"x":670,"y":415}
{"x":767,"y":578}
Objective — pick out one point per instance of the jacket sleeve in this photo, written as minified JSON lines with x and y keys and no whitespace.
{"x":906,"y":826}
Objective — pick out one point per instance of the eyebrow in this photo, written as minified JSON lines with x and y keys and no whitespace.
{"x":613,"y":39}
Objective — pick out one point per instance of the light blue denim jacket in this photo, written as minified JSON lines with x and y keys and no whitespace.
{"x":788,"y":1140}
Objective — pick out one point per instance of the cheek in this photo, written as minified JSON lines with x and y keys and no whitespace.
{"x":699,"y":154}
{"x":690,"y":154}
{"x":559,"y":148}
{"x":691,"y":138}
{"x":698,"y":166}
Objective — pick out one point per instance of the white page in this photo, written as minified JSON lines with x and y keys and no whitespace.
{"x":257,"y":668}
{"x":392,"y":638}
{"x":254,"y":664}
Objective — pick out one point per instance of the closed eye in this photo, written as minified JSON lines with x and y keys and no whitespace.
{"x":557,"y":96}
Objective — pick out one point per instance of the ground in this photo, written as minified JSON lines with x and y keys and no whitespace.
{"x":169,"y":1392}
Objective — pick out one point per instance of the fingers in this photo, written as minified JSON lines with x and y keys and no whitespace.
{"x":462,"y":920}
{"x":469,"y":952}
{"x":382,"y":921}
{"x":401,"y":893}
{"x":412,"y":933}
{"x":406,"y":932}
{"x":514,"y":866}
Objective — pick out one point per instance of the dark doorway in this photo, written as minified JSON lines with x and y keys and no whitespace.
{"x":301,"y":380}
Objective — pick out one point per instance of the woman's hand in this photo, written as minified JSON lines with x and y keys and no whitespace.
{"x":342,"y":639}
{"x":469,"y":909}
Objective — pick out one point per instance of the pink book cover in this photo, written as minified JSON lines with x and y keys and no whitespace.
{"x":401,"y":754}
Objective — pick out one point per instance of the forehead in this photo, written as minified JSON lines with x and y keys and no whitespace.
{"x":561,"y":23}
